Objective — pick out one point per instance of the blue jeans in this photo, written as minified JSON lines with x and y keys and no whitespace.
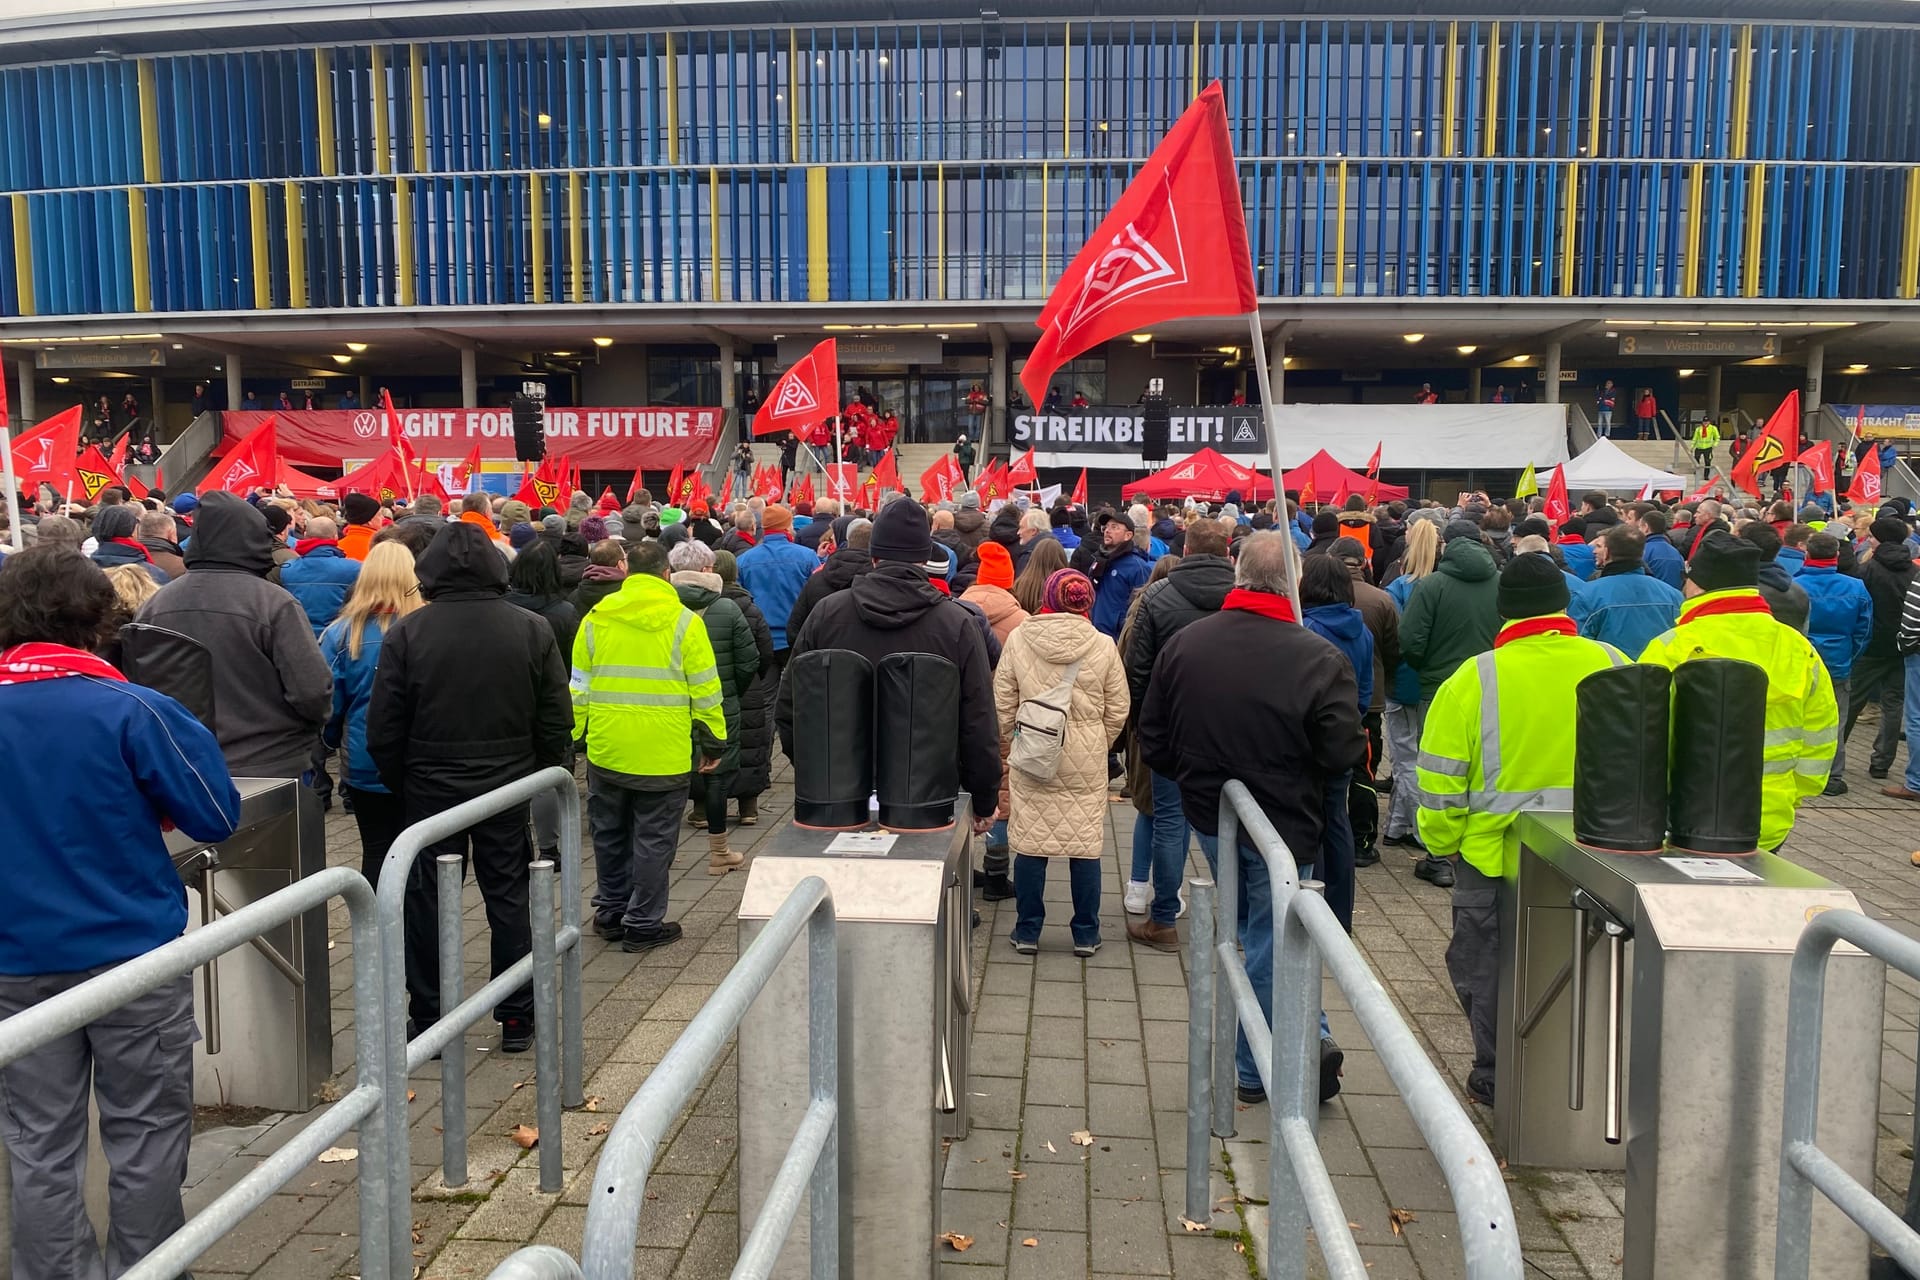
{"x":1255,"y":914}
{"x":1336,"y":850}
{"x":1030,"y":884}
{"x":1160,"y":849}
{"x":1912,"y":718}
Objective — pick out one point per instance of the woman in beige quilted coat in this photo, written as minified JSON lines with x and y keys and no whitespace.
{"x":1064,"y":817}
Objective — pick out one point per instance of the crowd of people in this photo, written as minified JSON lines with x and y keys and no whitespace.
{"x":1421,"y":698}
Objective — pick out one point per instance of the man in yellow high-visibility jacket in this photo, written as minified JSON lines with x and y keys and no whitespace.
{"x":1498,"y":742}
{"x":647,"y":700}
{"x":1725,"y":617}
{"x":1706,"y":438}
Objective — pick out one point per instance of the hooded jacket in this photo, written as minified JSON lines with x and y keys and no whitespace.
{"x":836,"y":573}
{"x":756,"y":701}
{"x":1626,"y":607}
{"x":1342,"y":626}
{"x":1453,"y":614}
{"x":1195,"y":588}
{"x":471,"y":692}
{"x":1785,"y":597}
{"x":321,"y":578}
{"x":774,"y":572}
{"x":166,"y":555}
{"x":1888,"y":573}
{"x":734,"y":655}
{"x":597,"y":582}
{"x":1839,"y":617}
{"x":271,"y":688}
{"x":894,"y":609}
{"x":1003,"y":612}
{"x":970,"y":527}
{"x":109,"y":554}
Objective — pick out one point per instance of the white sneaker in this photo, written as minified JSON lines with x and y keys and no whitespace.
{"x":1138,"y":898}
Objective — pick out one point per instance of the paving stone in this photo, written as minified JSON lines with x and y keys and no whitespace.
{"x":1051,"y":1197}
{"x":1119,"y":1110}
{"x":1128,"y":1239}
{"x":1056,"y":1082}
{"x":1051,"y":1255}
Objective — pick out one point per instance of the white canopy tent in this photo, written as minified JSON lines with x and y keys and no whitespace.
{"x":1607,"y":466}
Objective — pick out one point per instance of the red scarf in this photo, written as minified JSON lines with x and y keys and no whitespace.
{"x":26,"y":663}
{"x":1743,"y":603}
{"x":1264,"y":603}
{"x":305,"y":545}
{"x":129,"y":542}
{"x":1554,"y":624}
{"x":1834,"y":563}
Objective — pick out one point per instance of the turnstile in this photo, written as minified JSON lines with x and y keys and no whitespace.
{"x":1642,"y":1024}
{"x":265,"y":1010}
{"x":905,"y":943}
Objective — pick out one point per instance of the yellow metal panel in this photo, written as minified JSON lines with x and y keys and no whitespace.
{"x":713,"y":227}
{"x":673,"y":101}
{"x":1593,"y":105}
{"x":1340,"y":233}
{"x":1196,"y":57}
{"x":23,"y":254}
{"x":1569,"y":223}
{"x":403,"y":240}
{"x":323,"y":96}
{"x":1742,"y":93}
{"x":419,"y":101}
{"x":149,"y":121}
{"x":1750,"y":262}
{"x":1910,"y":240}
{"x":296,"y":247}
{"x":817,"y":290}
{"x":382,"y":139}
{"x":1066,"y":93}
{"x":1690,"y":264}
{"x":262,"y":257}
{"x":793,"y":95}
{"x":940,"y":223}
{"x":537,"y":222}
{"x":576,"y":242}
{"x":137,"y":248}
{"x":1493,"y":90}
{"x":1449,"y":88}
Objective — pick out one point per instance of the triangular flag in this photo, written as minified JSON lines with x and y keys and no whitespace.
{"x":1777,"y":445}
{"x":1559,"y":507}
{"x":1867,"y":480}
{"x":464,"y":475}
{"x":886,"y":472}
{"x":44,"y":455}
{"x":542,"y":487}
{"x":119,"y":459}
{"x":251,"y":464}
{"x":1174,"y":245}
{"x":1819,"y":461}
{"x":93,"y":471}
{"x":1646,"y":491}
{"x":937,"y":481}
{"x":726,"y":492}
{"x":1373,"y":473}
{"x":1080,"y":489}
{"x":805,"y":397}
{"x":675,"y":481}
{"x":1529,"y":483}
{"x":609,"y":501}
{"x":1022,"y":472}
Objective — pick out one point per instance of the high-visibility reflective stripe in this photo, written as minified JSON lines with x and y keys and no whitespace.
{"x":679,"y":635}
{"x":1783,"y":737}
{"x":1489,"y":715}
{"x":1813,"y":768}
{"x":1819,"y":737}
{"x":637,"y":673}
{"x":1441,"y":803}
{"x":706,"y":700}
{"x":1504,"y":802}
{"x":1780,"y":766}
{"x":617,"y":698}
{"x":1442,"y":765}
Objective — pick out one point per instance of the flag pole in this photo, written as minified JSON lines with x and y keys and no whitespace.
{"x":1267,"y":408}
{"x":13,"y":487}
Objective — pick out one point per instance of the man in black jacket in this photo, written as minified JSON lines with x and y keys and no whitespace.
{"x":470,"y":694}
{"x":1879,"y":674}
{"x":836,"y":572}
{"x":1194,"y":590}
{"x":894,"y":609}
{"x":1250,"y":694}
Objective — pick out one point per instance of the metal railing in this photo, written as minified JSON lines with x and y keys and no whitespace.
{"x":811,"y":1169}
{"x":1307,"y":935}
{"x":383,"y":1146}
{"x":1804,"y":1168}
{"x":556,"y":1031}
{"x":1580,"y":433}
{"x":184,"y":461}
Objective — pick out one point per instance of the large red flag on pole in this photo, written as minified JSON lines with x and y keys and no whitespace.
{"x":1866,"y":487}
{"x":886,"y":472}
{"x":1559,"y":507}
{"x":1777,"y":445}
{"x":805,"y":396}
{"x":45,"y":454}
{"x":253,"y":463}
{"x":1079,"y":498}
{"x":1819,"y":463}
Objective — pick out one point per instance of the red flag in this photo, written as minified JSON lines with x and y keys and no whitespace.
{"x":1646,"y":491}
{"x":697,"y":488}
{"x":119,"y":458}
{"x":987,"y":485}
{"x":1373,"y":474}
{"x":1307,"y":497}
{"x":937,"y":482}
{"x":251,"y":464}
{"x":5,"y":416}
{"x":805,"y":396}
{"x":801,"y":491}
{"x":397,"y":437}
{"x":468,"y":469}
{"x":842,"y":479}
{"x":1777,"y":445}
{"x":44,"y":455}
{"x":1819,"y":461}
{"x":674,"y":480}
{"x":886,"y":472}
{"x":1866,"y":487}
{"x":636,"y":486}
{"x":1175,"y":245}
{"x":726,"y":492}
{"x":608,"y":500}
{"x":382,"y":478}
{"x":94,"y":472}
{"x":1022,"y":472}
{"x":1079,"y":498}
{"x":770,"y":485}
{"x":1704,"y":489}
{"x":1559,"y":508}
{"x":543,"y":485}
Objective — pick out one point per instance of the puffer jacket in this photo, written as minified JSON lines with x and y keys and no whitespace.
{"x":1064,"y":817}
{"x":1888,"y":573}
{"x":559,"y":613}
{"x":734,"y":654}
{"x":1840,"y":616}
{"x":1196,"y":587}
{"x":352,"y":690}
{"x":970,"y":527}
{"x":1453,"y":614}
{"x":321,"y":579}
{"x":1003,"y":611}
{"x":756,"y":702}
{"x":775,"y":571}
{"x":1342,"y":626}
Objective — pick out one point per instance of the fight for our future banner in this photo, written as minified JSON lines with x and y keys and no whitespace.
{"x":596,"y":438}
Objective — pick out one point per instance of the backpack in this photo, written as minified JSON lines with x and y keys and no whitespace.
{"x":1040,"y":729}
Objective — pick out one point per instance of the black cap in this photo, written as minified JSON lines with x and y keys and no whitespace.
{"x":1326,"y":524}
{"x":1888,"y":529}
{"x":1723,"y":562}
{"x":1460,"y":529}
{"x":359,"y":508}
{"x":1120,"y":518}
{"x":901,"y":532}
{"x":1532,"y":586}
{"x":278,"y":517}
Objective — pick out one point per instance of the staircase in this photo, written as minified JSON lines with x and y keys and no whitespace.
{"x":1669,"y":456}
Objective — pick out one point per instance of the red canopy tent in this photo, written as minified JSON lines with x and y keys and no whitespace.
{"x":1327,"y":478}
{"x":1206,"y":475}
{"x":302,"y":485}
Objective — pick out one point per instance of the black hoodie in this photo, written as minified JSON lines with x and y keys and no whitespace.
{"x":471,"y":692}
{"x":271,"y":688}
{"x":1888,"y":573}
{"x":836,"y":573}
{"x":894,"y":609}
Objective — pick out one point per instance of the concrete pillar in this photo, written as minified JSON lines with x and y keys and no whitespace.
{"x":1550,"y":394}
{"x":156,"y":403}
{"x":28,"y":413}
{"x":1816,"y":364}
{"x":469,"y":378}
{"x":730,"y":383}
{"x":365,"y":391}
{"x":235,"y":392}
{"x":1277,"y":364}
{"x":1473,"y":384}
{"x":1713,"y":392}
{"x":996,"y":432}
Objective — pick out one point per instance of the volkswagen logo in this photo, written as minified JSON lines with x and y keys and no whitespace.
{"x":366,"y":424}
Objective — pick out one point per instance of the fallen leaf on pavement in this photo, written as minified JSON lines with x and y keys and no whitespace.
{"x":339,"y":1155}
{"x":1398,"y":1218}
{"x":525,"y":1135}
{"x":957,"y":1242}
{"x":1030,"y":1243}
{"x":1191,"y":1225}
{"x":1015,"y":1174}
{"x":1080,"y":1138}
{"x":597,"y":1130}
{"x":409,"y":1095}
{"x":591,"y":1104}
{"x":1051,"y":1147}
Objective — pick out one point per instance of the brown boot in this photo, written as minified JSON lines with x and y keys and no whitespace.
{"x":1161,"y":937}
{"x":749,"y":811}
{"x":721,"y":859}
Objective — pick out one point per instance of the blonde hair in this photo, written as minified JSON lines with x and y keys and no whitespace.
{"x":133,"y":586}
{"x":387,"y":588}
{"x":1423,"y":549}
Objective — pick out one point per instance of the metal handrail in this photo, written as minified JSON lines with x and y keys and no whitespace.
{"x":557,"y":1033}
{"x":382,"y":1146}
{"x":1804,"y":1168}
{"x":1306,"y":935}
{"x":811,"y":1168}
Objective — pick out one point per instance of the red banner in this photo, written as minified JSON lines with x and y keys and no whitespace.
{"x":598,"y":438}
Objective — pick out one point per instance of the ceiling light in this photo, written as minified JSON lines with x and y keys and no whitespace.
{"x":356,"y":347}
{"x":603,"y":342}
{"x":1520,"y":359}
{"x":543,"y":119}
{"x":1612,"y":333}
{"x":1856,"y":368}
{"x":61,"y":382}
{"x":1229,"y":351}
{"x":1467,"y":348}
{"x":179,"y":346}
{"x":1286,"y":362}
{"x":1413,"y":337}
{"x":342,"y":359}
{"x":1143,"y":337}
{"x":561,"y":355}
{"x":1686,"y":373}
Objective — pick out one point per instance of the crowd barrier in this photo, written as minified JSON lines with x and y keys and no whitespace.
{"x":1306,"y":936}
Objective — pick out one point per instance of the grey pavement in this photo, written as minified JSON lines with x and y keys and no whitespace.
{"x":1060,"y":1045}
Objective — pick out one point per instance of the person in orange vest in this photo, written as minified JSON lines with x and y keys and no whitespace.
{"x":1356,"y":522}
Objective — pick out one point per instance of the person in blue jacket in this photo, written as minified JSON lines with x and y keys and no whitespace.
{"x":386,"y":590}
{"x":1576,"y":553}
{"x":1120,"y":569}
{"x":1840,"y":623}
{"x":1662,"y":558}
{"x":1326,"y":593}
{"x":321,"y":575}
{"x":90,"y":885}
{"x":773,"y":571}
{"x":1626,"y":606}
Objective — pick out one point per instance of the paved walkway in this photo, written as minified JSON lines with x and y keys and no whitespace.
{"x":1060,"y":1045}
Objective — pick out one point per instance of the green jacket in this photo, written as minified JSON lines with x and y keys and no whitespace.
{"x":1706,"y":436}
{"x":1453,"y":614}
{"x":734,"y":655}
{"x":644,"y":684}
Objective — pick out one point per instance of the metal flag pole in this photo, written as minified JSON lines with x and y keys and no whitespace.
{"x":1267,"y":414}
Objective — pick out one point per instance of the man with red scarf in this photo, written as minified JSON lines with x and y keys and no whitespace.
{"x":1249,"y":693}
{"x":91,"y":885}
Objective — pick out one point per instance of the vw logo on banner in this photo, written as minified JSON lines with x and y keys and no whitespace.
{"x":366,"y":424}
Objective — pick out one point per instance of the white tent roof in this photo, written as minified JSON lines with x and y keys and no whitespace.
{"x":1607,"y":466}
